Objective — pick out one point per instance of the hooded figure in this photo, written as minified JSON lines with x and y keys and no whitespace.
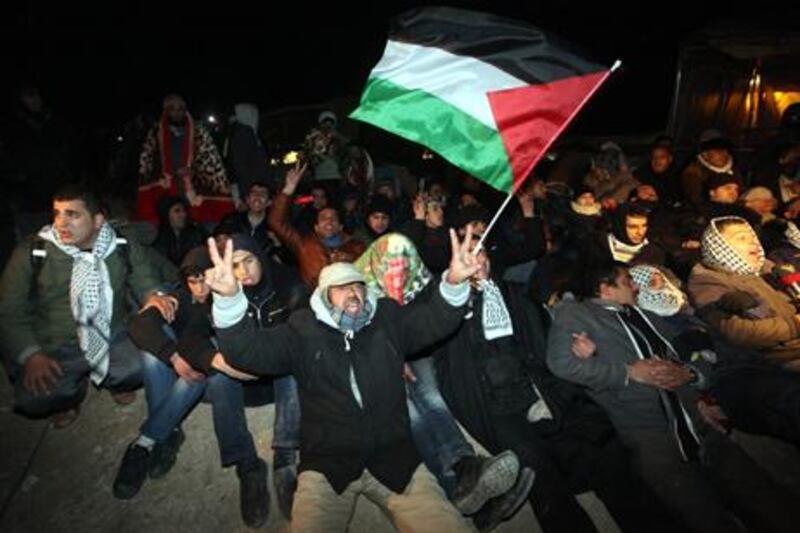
{"x":719,"y":254}
{"x":246,"y":157}
{"x":378,"y":218}
{"x":393,"y":268}
{"x":627,"y":241}
{"x":334,"y":275}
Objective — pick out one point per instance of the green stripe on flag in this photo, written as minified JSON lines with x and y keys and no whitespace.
{"x":425,"y":119}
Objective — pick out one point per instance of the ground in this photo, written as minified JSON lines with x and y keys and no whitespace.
{"x":60,"y":480}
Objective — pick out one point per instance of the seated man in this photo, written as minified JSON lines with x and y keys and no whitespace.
{"x":626,"y":359}
{"x":63,"y":305}
{"x":253,"y":221}
{"x":757,"y":396}
{"x":347,"y":354}
{"x":327,"y":243}
{"x":177,"y":375}
{"x":393,"y":269}
{"x":627,"y":241}
{"x":494,"y":377}
{"x":731,"y":296}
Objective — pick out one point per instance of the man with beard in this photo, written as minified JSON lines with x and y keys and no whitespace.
{"x":347,"y":353}
{"x":179,"y":157}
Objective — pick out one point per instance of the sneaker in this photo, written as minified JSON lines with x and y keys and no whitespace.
{"x":124,"y":398}
{"x":504,"y":507}
{"x":164,"y":454}
{"x":65,"y":419}
{"x":253,"y":493}
{"x":479,"y":479}
{"x":132,"y":472}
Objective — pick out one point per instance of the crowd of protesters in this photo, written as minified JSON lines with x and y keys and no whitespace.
{"x":608,"y":334}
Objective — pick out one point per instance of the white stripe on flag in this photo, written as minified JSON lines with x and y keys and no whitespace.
{"x":460,"y":81}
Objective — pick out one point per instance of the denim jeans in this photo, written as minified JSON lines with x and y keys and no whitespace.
{"x":433,"y":427}
{"x":287,"y":413}
{"x":170,"y":398}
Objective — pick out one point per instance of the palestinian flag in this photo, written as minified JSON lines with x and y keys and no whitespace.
{"x":489,"y":94}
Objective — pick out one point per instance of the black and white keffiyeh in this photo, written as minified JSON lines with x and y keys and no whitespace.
{"x":666,"y":301}
{"x":495,"y":317}
{"x":91,"y":296}
{"x":719,"y":255}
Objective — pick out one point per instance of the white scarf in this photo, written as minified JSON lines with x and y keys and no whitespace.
{"x":587,"y":210}
{"x":624,"y":252}
{"x":91,"y":296}
{"x":495,"y":317}
{"x":725,"y":169}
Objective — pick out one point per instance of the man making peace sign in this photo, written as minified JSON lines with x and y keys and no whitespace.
{"x":347,"y":353}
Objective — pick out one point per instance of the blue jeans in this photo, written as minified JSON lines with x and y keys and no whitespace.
{"x":287,"y":413}
{"x":433,"y":427}
{"x":170,"y":398}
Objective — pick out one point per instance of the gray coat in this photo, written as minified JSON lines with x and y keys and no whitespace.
{"x":629,"y":405}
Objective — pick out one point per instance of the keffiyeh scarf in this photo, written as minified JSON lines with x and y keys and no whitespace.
{"x":666,"y":301}
{"x":719,"y":255}
{"x":91,"y":296}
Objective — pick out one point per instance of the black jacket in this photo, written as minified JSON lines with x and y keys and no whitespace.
{"x":339,"y":438}
{"x":192,"y":333}
{"x":483,"y":379}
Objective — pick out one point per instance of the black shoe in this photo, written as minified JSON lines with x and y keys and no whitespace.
{"x":164,"y":454}
{"x":284,"y":479}
{"x":479,"y":479}
{"x":132,"y":472}
{"x":504,"y":507}
{"x":253,"y":493}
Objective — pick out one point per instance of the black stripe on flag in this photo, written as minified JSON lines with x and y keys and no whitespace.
{"x":521,"y":50}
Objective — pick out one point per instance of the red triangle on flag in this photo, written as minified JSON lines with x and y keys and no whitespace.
{"x":530,"y":118}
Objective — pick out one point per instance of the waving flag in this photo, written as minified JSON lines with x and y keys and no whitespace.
{"x":489,"y":94}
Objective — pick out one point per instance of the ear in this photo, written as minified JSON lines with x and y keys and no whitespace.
{"x":99,"y":219}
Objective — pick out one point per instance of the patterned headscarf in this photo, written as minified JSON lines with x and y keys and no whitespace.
{"x":667,"y":301}
{"x":393,"y":268}
{"x":792,"y":234}
{"x":718,"y":254}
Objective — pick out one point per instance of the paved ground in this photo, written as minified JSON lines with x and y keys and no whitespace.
{"x":60,"y":480}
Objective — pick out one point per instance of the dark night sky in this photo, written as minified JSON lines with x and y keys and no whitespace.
{"x":100,"y":66}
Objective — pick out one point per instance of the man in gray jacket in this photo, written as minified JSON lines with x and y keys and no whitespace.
{"x":624,"y":356}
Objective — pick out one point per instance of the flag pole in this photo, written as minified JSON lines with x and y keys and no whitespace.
{"x":566,"y":123}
